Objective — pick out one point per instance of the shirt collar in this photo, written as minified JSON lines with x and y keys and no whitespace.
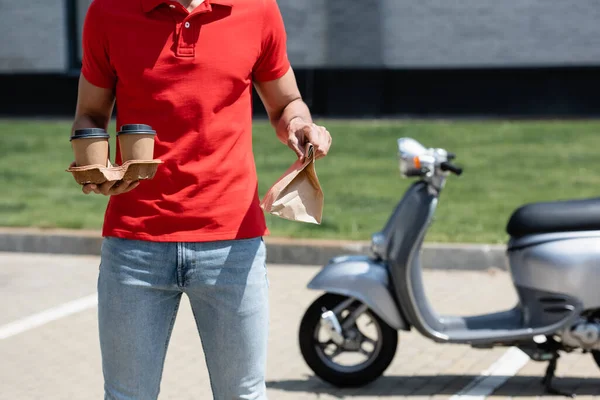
{"x":149,"y":5}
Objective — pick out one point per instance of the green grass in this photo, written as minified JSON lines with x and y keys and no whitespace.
{"x":506,"y":164}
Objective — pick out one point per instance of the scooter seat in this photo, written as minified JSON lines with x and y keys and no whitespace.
{"x":555,"y":216}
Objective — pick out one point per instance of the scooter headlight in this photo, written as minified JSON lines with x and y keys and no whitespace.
{"x":410,"y":154}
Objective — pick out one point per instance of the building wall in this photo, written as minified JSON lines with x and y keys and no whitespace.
{"x":484,"y":33}
{"x":363,"y":33}
{"x":433,"y":33}
{"x":33,"y":36}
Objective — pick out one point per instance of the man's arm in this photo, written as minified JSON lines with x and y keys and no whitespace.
{"x":94,"y":106}
{"x":291,"y":117}
{"x":94,"y":109}
{"x":95,"y":95}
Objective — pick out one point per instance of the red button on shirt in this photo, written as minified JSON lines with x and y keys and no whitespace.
{"x":189,"y":76}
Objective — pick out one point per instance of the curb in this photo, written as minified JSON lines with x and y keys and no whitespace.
{"x":279,"y":250}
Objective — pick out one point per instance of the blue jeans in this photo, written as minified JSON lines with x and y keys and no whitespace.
{"x":139,"y":289}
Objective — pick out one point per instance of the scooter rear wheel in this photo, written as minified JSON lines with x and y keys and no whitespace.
{"x":325,"y":366}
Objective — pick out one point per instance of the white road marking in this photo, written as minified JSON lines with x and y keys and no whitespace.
{"x":61,"y":311}
{"x":492,"y":378}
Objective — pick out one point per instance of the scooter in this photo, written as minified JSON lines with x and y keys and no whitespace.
{"x":553,"y":258}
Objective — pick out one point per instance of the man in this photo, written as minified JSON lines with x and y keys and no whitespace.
{"x":187,"y":68}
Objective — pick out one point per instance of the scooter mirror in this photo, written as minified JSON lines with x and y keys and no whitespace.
{"x":409,"y":151}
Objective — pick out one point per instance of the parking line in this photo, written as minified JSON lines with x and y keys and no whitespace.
{"x":61,"y":311}
{"x":492,"y":378}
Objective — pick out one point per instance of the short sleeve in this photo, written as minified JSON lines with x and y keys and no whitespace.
{"x":273,"y":61}
{"x":96,"y":66}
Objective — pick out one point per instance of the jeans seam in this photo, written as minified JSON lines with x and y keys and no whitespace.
{"x":164,"y":356}
{"x":180,"y":264}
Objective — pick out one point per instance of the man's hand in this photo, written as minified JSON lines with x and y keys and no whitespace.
{"x":300,"y":133}
{"x":110,"y":188}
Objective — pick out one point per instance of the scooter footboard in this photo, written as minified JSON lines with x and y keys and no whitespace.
{"x":365,"y":280}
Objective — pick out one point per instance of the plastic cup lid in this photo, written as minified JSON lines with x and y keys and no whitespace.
{"x":136,"y":128}
{"x":89,"y":133}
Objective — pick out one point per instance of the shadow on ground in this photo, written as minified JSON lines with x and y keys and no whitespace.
{"x":424,"y":385}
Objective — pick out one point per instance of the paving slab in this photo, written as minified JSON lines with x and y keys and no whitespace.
{"x":60,"y":359}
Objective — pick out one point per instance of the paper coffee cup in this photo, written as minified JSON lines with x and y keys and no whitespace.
{"x":90,"y":146}
{"x":136,"y":142}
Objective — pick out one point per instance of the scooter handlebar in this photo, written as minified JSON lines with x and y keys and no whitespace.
{"x":448,"y":166}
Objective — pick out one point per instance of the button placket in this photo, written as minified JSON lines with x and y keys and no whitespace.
{"x":186,"y":44}
{"x":188,"y":31}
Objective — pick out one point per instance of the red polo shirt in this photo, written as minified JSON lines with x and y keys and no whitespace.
{"x":189,"y":76}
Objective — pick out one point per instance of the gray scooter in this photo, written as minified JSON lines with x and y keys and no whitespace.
{"x":553,"y":257}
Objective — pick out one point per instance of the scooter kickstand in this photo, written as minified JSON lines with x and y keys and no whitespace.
{"x":547,"y":380}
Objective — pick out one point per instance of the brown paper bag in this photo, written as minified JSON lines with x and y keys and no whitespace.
{"x":297,"y":194}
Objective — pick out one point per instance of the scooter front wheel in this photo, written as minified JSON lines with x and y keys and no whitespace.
{"x":360,"y":355}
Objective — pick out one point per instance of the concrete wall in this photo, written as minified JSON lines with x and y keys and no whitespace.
{"x":33,"y":36}
{"x":434,"y":33}
{"x":365,"y":33}
{"x":82,"y":6}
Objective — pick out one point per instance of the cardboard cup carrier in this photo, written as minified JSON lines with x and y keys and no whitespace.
{"x":92,"y":161}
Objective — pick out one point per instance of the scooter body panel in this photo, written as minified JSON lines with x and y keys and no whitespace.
{"x":520,"y":323}
{"x":364,"y":279}
{"x":568,"y":264}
